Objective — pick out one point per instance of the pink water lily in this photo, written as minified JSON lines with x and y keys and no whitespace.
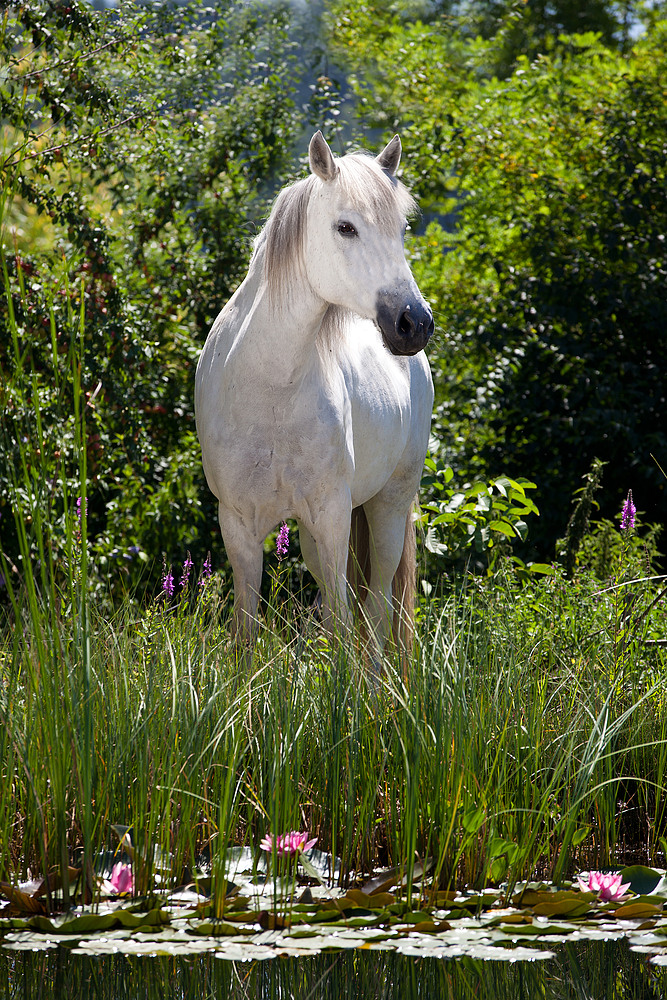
{"x":121,"y":882}
{"x":288,"y":844}
{"x":607,"y":886}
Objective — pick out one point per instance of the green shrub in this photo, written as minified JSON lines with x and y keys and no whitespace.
{"x":142,"y":171}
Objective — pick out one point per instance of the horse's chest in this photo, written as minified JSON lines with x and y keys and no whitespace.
{"x":289,"y":447}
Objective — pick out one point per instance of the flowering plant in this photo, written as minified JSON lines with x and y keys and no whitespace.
{"x":607,"y":886}
{"x":288,"y":844}
{"x":628,"y":513}
{"x":282,"y":542}
{"x":121,"y":882}
{"x":168,"y":582}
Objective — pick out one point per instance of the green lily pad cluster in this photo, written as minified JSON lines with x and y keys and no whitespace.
{"x":485,"y":925}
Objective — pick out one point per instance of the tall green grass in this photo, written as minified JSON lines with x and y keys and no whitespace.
{"x":475,"y":756}
{"x":500,"y":751}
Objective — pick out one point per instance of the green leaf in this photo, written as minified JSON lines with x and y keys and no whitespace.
{"x":473,"y":819}
{"x":642,"y":880}
{"x":579,"y":835}
{"x":544,"y":568}
{"x":498,"y":869}
{"x":503,"y":527}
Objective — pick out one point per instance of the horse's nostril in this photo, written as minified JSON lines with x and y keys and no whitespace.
{"x":406,"y":325}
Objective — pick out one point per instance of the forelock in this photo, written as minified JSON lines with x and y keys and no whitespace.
{"x":376,"y":195}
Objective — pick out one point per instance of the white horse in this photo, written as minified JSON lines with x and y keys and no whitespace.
{"x":313,"y":396}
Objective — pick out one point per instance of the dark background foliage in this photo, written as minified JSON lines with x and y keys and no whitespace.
{"x":578,"y":324}
{"x":148,"y":147}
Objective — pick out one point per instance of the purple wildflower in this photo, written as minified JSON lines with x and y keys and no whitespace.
{"x":168,"y":583}
{"x":282,"y":541}
{"x":78,"y":513}
{"x":628,"y":513}
{"x":187,"y":566}
{"x":205,"y":571}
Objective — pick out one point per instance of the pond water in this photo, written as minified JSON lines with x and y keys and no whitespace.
{"x":583,"y":969}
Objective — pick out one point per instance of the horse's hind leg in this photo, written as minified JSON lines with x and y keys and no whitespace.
{"x":245,"y":554}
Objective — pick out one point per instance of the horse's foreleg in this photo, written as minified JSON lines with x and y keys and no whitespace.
{"x":387,"y":529}
{"x":325,"y":551}
{"x":245,"y":554}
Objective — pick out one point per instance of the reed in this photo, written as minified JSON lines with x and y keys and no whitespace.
{"x":473,"y":757}
{"x":500,"y":750}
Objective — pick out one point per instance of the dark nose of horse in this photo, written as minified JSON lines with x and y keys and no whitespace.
{"x":416,"y":326}
{"x":406,"y":326}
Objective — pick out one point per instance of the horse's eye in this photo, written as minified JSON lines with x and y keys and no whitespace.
{"x":347,"y":229}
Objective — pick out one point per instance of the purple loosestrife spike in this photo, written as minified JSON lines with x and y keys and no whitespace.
{"x":78,"y":514}
{"x":168,"y":583}
{"x":628,"y":513}
{"x":205,"y":571}
{"x":187,"y":566}
{"x":282,"y":542}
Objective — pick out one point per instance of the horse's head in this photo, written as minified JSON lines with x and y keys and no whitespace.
{"x":354,"y":254}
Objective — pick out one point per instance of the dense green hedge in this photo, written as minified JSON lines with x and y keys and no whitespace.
{"x":549,"y":278}
{"x":142,"y":155}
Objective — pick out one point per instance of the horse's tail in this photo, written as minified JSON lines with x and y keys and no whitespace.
{"x":404,"y":585}
{"x":359,"y":556}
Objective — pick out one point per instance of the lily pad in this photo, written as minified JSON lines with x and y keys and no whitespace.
{"x":22,"y":900}
{"x":358,"y":897}
{"x":395,"y":876}
{"x":636,"y":910}
{"x":562,"y":908}
{"x":642,"y":880}
{"x":535,"y":930}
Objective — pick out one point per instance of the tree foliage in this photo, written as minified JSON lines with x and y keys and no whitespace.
{"x":550,"y":283}
{"x":138,"y":159}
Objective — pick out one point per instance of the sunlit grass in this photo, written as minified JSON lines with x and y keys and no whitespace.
{"x":471,"y":756}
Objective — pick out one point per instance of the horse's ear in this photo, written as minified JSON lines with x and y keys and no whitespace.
{"x":321,"y":158}
{"x":390,"y":157}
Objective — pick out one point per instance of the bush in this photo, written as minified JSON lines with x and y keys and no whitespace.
{"x":548,"y":281}
{"x":139,"y":170}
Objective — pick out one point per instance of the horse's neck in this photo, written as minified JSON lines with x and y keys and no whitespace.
{"x":280,"y":337}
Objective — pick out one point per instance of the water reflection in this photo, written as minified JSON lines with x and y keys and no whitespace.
{"x":583,"y":969}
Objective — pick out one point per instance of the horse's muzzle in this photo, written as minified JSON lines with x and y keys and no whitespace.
{"x":406,"y":326}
